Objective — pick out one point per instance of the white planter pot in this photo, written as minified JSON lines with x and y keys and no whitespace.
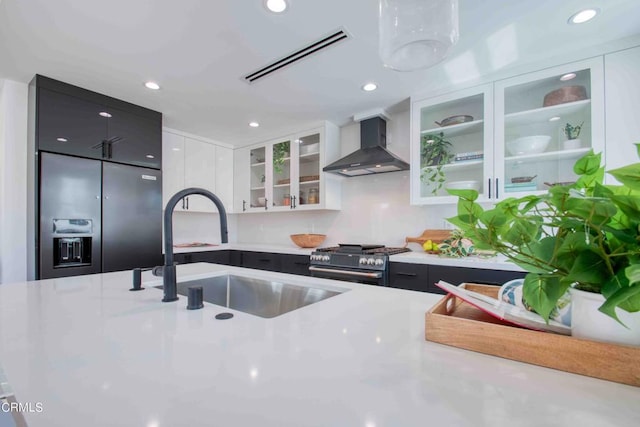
{"x":571,"y":144}
{"x":589,"y":323}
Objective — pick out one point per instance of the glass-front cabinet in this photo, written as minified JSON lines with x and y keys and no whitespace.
{"x":512,"y":137}
{"x":285,"y":174}
{"x":545,"y":121}
{"x":452,"y":144}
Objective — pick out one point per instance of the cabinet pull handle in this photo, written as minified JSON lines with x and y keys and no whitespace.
{"x":183,"y":203}
{"x":497,"y":191}
{"x":291,"y":202}
{"x":294,"y":202}
{"x":300,"y":263}
{"x":266,"y":204}
{"x":489,"y":186}
{"x":244,"y":205}
{"x":187,"y":203}
{"x":406,"y":274}
{"x":264,"y":260}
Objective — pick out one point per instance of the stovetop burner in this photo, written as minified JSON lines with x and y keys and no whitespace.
{"x":363,"y":249}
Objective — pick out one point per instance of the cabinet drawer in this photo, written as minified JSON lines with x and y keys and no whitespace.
{"x":413,"y":277}
{"x":261,"y":261}
{"x":295,"y":264}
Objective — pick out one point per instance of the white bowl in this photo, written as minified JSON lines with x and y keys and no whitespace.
{"x":261,"y":201}
{"x":528,"y":145}
{"x":463,"y":185}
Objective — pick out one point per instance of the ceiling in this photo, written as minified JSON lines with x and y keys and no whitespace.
{"x":199,"y":50}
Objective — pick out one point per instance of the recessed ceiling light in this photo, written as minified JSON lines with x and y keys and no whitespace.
{"x":554,"y":119}
{"x":150,"y":156}
{"x":61,"y":139}
{"x":254,"y":124}
{"x":276,"y":6}
{"x":583,"y":16}
{"x":344,"y":170}
{"x":176,"y":149}
{"x":568,"y":76}
{"x":369,"y":87}
{"x":104,"y":114}
{"x":152,"y":85}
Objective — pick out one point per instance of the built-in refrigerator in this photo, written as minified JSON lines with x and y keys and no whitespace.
{"x":96,"y":217}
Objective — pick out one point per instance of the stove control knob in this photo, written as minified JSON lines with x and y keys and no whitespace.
{"x":326,"y":258}
{"x":363,"y":261}
{"x":371,"y":261}
{"x":379,"y":262}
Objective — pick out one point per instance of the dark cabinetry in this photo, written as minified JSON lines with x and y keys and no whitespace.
{"x":422,"y":277}
{"x":224,"y":257}
{"x":261,"y":261}
{"x":295,"y":264}
{"x":72,"y":120}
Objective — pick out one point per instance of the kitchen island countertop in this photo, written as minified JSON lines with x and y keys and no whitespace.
{"x":94,"y":354}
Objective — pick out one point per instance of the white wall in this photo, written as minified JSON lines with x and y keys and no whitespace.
{"x":13,"y":181}
{"x":375,"y":208}
{"x":189,"y":227}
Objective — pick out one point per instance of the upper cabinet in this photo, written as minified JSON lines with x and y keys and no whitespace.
{"x":545,"y":121}
{"x":72,"y":120}
{"x":452,"y":144}
{"x":512,"y":137}
{"x":189,"y":162}
{"x":285,"y":174}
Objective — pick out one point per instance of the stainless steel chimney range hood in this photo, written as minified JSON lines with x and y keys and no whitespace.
{"x":373,"y":156}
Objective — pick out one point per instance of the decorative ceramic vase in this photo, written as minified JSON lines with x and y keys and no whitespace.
{"x":571,"y":144}
{"x":589,"y":323}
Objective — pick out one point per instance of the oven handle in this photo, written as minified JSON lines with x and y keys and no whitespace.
{"x":376,"y":275}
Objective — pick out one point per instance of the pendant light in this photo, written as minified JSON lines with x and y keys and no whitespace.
{"x":416,"y":34}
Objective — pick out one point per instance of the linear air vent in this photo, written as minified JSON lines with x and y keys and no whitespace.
{"x":317,"y":46}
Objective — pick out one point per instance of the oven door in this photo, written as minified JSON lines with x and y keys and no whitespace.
{"x":370,"y":277}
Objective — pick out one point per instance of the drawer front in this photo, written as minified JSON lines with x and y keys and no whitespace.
{"x":414,"y":277}
{"x":261,"y":261}
{"x":295,"y":264}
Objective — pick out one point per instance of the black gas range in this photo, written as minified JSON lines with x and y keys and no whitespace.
{"x":355,"y":263}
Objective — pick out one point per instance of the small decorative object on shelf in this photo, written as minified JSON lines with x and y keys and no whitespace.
{"x":584,"y":236}
{"x":280,"y":151}
{"x":435,"y":152}
{"x":572,"y":133}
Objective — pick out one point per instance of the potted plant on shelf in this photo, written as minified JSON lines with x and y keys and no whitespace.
{"x":280,"y":152}
{"x":435,"y":152}
{"x":584,"y":237}
{"x":572,"y":133}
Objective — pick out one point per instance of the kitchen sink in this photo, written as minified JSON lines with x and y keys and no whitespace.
{"x":264,"y":298}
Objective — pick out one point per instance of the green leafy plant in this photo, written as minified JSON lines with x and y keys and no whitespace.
{"x":585,"y":234}
{"x":435,"y":152}
{"x":457,"y":246}
{"x":280,"y":151}
{"x":572,"y":132}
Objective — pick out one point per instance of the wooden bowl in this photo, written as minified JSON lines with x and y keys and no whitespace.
{"x":565,"y":94}
{"x":308,"y":240}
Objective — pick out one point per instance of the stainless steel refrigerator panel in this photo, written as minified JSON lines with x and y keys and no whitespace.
{"x":131,"y":217}
{"x":70,"y":195}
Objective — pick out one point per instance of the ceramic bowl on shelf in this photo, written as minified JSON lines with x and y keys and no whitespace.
{"x":463,"y":185}
{"x":261,"y":201}
{"x":308,"y":240}
{"x":535,"y":144}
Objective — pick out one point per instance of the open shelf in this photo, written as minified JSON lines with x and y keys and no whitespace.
{"x":257,"y":164}
{"x":460,"y":165}
{"x":309,"y":182}
{"x":281,"y":185}
{"x":550,"y":155}
{"x":459,"y":129}
{"x":257,"y":188}
{"x":543,"y":114}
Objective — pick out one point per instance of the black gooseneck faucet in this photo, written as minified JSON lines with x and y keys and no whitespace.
{"x":169,"y":270}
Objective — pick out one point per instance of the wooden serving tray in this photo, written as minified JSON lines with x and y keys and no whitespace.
{"x":456,"y":323}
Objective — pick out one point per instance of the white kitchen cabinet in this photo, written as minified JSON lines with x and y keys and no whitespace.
{"x":285,"y":174}
{"x":519,"y":112}
{"x":471,"y":143}
{"x":622,"y":87}
{"x":189,"y":162}
{"x":502,"y":112}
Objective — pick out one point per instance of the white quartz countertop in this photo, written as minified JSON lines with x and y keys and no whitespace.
{"x":415,"y":257}
{"x":94,"y":354}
